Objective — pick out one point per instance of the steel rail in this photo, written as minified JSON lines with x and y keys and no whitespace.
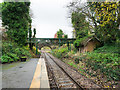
{"x":78,"y":85}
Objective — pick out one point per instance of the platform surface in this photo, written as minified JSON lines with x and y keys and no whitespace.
{"x":29,"y":74}
{"x":40,"y":79}
{"x":19,"y":74}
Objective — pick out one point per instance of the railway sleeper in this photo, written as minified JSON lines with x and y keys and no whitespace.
{"x":66,"y":84}
{"x":66,"y":81}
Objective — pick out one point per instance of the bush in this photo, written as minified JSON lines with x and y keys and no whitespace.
{"x":18,"y":52}
{"x":108,"y":63}
{"x":78,"y":42}
{"x":61,"y":52}
{"x":13,"y":52}
{"x":6,"y":59}
{"x":108,"y":49}
{"x":13,"y":56}
{"x":34,"y":50}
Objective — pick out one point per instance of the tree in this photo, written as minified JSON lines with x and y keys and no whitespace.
{"x":86,"y":9}
{"x":106,"y":11}
{"x":105,"y":18}
{"x":0,"y":10}
{"x":16,"y":19}
{"x":30,"y":36}
{"x":108,"y":15}
{"x":65,"y":36}
{"x":30,"y":32}
{"x":80,"y":24}
{"x":60,"y":33}
{"x":34,"y":30}
{"x":32,"y":44}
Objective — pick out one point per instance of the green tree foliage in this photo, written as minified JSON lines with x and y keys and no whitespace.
{"x":34,"y":30}
{"x":107,"y":33}
{"x":16,"y":19}
{"x":80,"y":24}
{"x":60,"y":33}
{"x":106,"y":11}
{"x":108,"y":16}
{"x":86,"y":9}
{"x":0,"y":10}
{"x":65,"y":36}
{"x":81,"y":27}
{"x":30,"y":32}
{"x":11,"y":51}
{"x":30,"y":36}
{"x":104,"y":17}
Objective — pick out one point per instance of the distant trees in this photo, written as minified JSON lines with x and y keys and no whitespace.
{"x":34,"y":30}
{"x":16,"y":19}
{"x":60,"y":34}
{"x":65,"y":36}
{"x":30,"y":36}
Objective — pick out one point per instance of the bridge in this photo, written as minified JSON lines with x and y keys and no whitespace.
{"x":41,"y":42}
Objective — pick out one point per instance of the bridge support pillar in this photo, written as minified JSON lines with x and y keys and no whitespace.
{"x":36,"y":48}
{"x":69,"y":46}
{"x":59,"y":42}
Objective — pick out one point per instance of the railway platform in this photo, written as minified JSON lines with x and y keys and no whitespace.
{"x":40,"y":79}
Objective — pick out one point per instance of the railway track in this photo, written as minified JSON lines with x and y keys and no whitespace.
{"x":61,"y":78}
{"x":64,"y":76}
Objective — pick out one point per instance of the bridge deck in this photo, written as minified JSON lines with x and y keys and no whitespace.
{"x":54,"y":38}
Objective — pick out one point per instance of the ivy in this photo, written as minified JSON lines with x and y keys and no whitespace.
{"x":78,"y":43}
{"x":16,"y":19}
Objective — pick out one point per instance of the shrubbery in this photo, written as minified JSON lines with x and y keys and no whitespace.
{"x":78,"y":42}
{"x":5,"y":59}
{"x":106,"y":61}
{"x":13,"y":52}
{"x":34,"y":50}
{"x":61,"y":52}
{"x":109,"y":49}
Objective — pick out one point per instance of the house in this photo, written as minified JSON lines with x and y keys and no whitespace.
{"x":55,"y":36}
{"x":90,"y":44}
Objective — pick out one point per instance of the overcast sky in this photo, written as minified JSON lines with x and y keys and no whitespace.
{"x":49,"y":16}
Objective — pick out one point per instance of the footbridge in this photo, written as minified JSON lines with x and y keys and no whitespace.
{"x":41,"y":42}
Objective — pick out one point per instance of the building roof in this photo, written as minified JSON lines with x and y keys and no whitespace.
{"x":55,"y":36}
{"x":85,"y":42}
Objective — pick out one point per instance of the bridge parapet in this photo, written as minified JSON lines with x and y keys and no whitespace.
{"x":51,"y":41}
{"x":34,"y":40}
